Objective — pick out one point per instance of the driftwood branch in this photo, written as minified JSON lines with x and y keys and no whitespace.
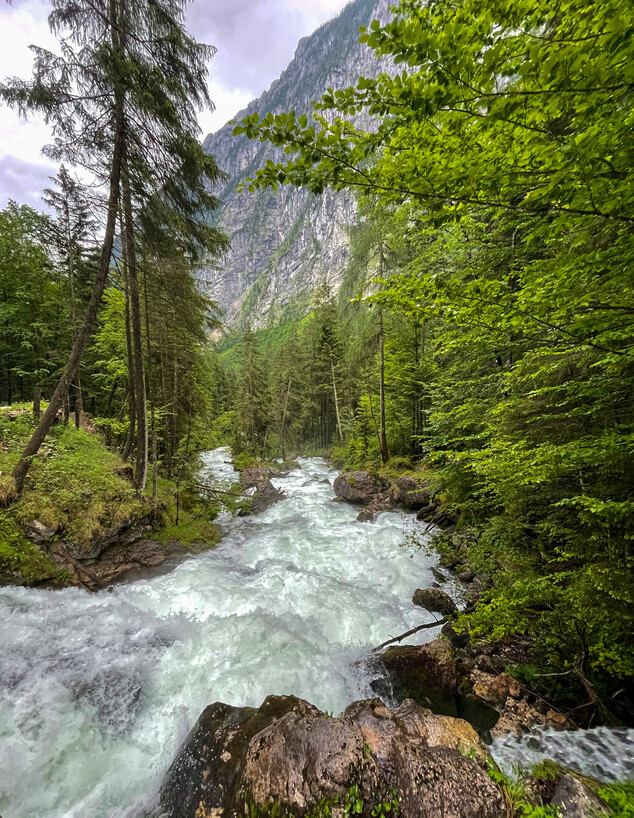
{"x":80,"y":568}
{"x":409,"y":633}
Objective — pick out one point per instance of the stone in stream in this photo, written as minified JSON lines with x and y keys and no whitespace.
{"x":288,"y":758}
{"x":265,"y":494}
{"x":360,"y":487}
{"x":435,"y":600}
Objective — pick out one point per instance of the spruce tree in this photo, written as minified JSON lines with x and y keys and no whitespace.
{"x":123,"y":94}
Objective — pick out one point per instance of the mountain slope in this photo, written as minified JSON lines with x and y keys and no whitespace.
{"x":284,"y":244}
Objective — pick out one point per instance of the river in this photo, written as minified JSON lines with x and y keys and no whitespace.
{"x":98,"y":691}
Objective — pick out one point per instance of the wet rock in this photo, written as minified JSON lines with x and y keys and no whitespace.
{"x":557,"y":720}
{"x":365,"y":516}
{"x":427,"y":513}
{"x":123,"y":536}
{"x":440,"y":577}
{"x":426,"y":673}
{"x":435,"y":600}
{"x":287,"y":757}
{"x":360,"y":487}
{"x":496,"y":689}
{"x":137,"y":559}
{"x":257,"y":474}
{"x":258,"y":485}
{"x":413,"y":493}
{"x":265,"y":495}
{"x":576,"y":800}
{"x":204,"y":775}
{"x":466,"y":575}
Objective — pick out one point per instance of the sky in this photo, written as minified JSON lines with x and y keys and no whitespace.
{"x":256,"y":39}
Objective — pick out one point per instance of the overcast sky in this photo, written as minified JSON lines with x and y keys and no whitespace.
{"x":255,"y":39}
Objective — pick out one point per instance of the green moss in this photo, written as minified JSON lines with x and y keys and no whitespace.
{"x":21,"y":560}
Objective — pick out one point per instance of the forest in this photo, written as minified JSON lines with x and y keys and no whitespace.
{"x":482,"y":339}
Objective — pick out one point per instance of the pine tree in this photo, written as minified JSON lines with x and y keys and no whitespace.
{"x":123,"y":95}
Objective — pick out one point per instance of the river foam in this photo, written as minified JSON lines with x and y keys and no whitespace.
{"x":97,"y":691}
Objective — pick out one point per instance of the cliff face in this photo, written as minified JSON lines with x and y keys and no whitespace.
{"x":285,"y":244}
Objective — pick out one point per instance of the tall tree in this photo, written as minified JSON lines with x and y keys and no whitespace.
{"x":124,"y":90}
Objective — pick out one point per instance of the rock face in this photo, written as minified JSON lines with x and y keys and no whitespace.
{"x":287,"y":757}
{"x":442,"y":676}
{"x":117,"y":555}
{"x":413,"y":493}
{"x":425,"y":673}
{"x":284,"y":244}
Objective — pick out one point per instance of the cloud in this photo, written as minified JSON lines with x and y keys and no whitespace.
{"x":24,"y":181}
{"x":256,"y":40}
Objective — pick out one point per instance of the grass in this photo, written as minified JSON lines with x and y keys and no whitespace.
{"x":76,"y":487}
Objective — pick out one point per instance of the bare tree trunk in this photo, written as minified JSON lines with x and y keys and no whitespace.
{"x":78,"y":401}
{"x":334,"y":391}
{"x":150,"y":390}
{"x":140,"y":471}
{"x":282,"y":435}
{"x":83,"y":332}
{"x":127,"y":447}
{"x":385,"y":455}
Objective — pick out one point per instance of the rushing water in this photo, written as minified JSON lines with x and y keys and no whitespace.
{"x":97,"y":691}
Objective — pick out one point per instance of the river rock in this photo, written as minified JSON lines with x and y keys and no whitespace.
{"x":258,"y":484}
{"x":425,"y":673}
{"x":256,"y":474}
{"x":413,"y":493}
{"x":359,"y":486}
{"x":287,"y":757}
{"x":576,"y":800}
{"x":435,"y":600}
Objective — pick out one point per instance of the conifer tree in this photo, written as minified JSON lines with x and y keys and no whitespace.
{"x":124,"y":93}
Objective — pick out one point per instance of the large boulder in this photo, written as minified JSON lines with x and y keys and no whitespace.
{"x":425,"y":673}
{"x":414,"y":494}
{"x":359,"y":486}
{"x":435,"y":600}
{"x":258,"y":485}
{"x":287,"y":758}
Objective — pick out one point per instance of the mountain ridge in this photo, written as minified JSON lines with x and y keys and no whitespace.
{"x":288,"y":242}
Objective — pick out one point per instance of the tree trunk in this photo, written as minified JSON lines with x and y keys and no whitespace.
{"x":385,"y":455}
{"x":83,"y":333}
{"x":334,"y":391}
{"x":127,"y":447}
{"x":140,"y":471}
{"x":282,"y":434}
{"x":78,"y":402}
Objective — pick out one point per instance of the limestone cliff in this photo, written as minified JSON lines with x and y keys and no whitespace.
{"x":284,"y":244}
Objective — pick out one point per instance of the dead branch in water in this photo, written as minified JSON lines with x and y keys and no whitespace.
{"x":409,"y":633}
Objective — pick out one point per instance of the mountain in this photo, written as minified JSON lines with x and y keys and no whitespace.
{"x":286,"y":243}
